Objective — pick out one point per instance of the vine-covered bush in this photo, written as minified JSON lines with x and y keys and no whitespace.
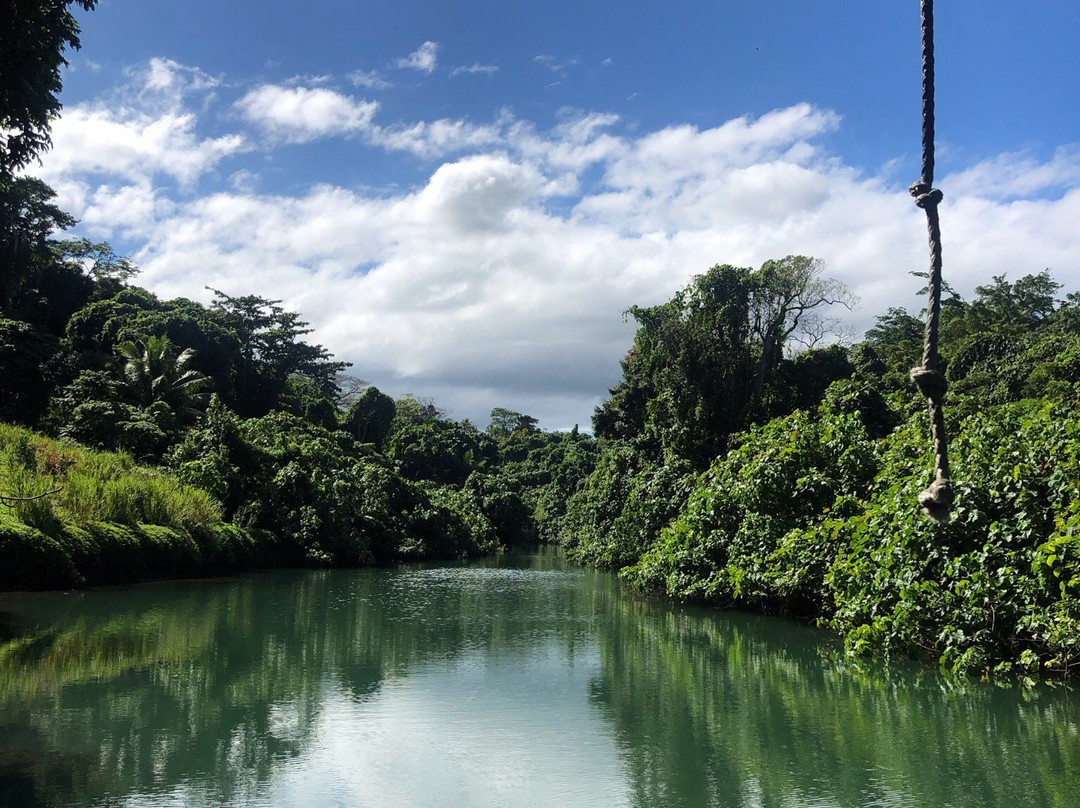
{"x":809,"y":516}
{"x":748,"y":534}
{"x":999,"y":584}
{"x":619,"y":511}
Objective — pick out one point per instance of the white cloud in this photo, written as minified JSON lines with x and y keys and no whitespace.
{"x":1017,"y":174}
{"x":165,"y":82}
{"x":422,"y":59}
{"x":301,"y":114}
{"x":371,"y":79}
{"x":146,"y":130}
{"x":131,"y":144}
{"x":499,"y":279}
{"x":474,"y":68}
{"x":435,"y":138}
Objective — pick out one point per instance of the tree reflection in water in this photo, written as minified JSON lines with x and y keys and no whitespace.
{"x":209,"y":690}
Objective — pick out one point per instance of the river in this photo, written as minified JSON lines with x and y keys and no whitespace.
{"x":516,"y":682}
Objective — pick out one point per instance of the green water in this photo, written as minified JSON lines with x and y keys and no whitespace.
{"x":516,"y":683}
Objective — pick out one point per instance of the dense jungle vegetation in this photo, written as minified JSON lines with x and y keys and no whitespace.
{"x":741,"y":460}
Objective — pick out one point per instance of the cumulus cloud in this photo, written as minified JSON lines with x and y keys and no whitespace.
{"x":301,"y":114}
{"x":1018,"y":174}
{"x":146,"y":130}
{"x":131,"y":144}
{"x":422,"y":59}
{"x":499,"y":278}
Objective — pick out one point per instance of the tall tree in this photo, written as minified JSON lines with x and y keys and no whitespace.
{"x":703,"y":363}
{"x":28,"y":218}
{"x":370,"y":416}
{"x":272,"y":350}
{"x":505,"y":423}
{"x":33,"y":37}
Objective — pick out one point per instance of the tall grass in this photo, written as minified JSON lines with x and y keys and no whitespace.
{"x":74,"y":516}
{"x":93,"y":487}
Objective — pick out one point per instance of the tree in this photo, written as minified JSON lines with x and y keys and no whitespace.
{"x":27,"y":219}
{"x":897,"y":340}
{"x":370,"y":416}
{"x":109,"y":272}
{"x":1020,"y":306}
{"x":271,"y":351}
{"x":439,"y":450}
{"x":787,"y":299}
{"x":33,"y":36}
{"x":704,"y":364}
{"x":156,"y":370}
{"x":505,"y":423}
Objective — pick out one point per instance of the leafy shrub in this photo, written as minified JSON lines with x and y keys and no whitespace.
{"x":749,"y":532}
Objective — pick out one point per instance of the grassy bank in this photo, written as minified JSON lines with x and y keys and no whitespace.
{"x":72,"y":516}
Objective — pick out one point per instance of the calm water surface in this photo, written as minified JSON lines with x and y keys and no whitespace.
{"x":513,"y":683}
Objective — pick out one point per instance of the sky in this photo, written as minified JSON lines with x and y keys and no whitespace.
{"x":463,"y":198}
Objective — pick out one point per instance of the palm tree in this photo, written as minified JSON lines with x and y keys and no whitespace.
{"x":156,"y":370}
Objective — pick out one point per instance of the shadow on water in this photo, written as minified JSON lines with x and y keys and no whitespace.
{"x":215,"y":685}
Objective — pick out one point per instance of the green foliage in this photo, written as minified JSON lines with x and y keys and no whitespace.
{"x":370,"y":417}
{"x":134,"y":315}
{"x":997,"y":583}
{"x":271,"y":351}
{"x":896,"y":340}
{"x":706,"y":363}
{"x":304,"y":397}
{"x":33,"y":38}
{"x":504,"y":508}
{"x":811,"y":517}
{"x":324,"y":493}
{"x":448,"y":523}
{"x":436,"y":449}
{"x":505,"y":423}
{"x":622,"y":506}
{"x":72,"y":516}
{"x":33,"y":560}
{"x":92,"y":410}
{"x":30,"y":363}
{"x":815,"y":513}
{"x":155,"y":370}
{"x":27,"y":219}
{"x":745,"y":535}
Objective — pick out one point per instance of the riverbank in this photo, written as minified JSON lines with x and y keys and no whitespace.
{"x":77,"y":517}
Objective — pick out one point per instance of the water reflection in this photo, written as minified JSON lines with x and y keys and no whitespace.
{"x":518,"y":683}
{"x":749,"y":711}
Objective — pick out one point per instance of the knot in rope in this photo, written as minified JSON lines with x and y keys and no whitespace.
{"x":931,"y":382}
{"x":937,"y":500}
{"x":924,"y":195}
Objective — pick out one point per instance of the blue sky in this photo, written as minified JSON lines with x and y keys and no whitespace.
{"x":463,"y":197}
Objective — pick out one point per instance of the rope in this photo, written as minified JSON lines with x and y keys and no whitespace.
{"x":937,"y":499}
